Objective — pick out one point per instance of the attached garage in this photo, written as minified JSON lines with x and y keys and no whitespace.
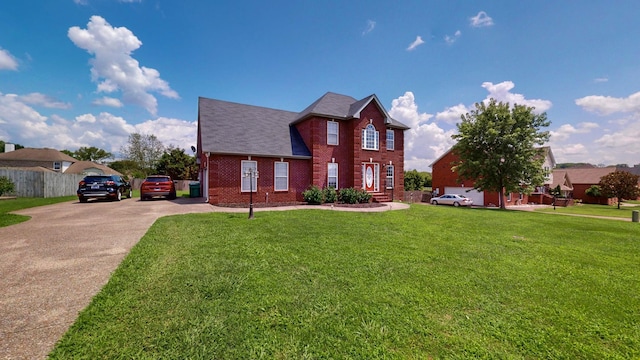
{"x":471,"y":193}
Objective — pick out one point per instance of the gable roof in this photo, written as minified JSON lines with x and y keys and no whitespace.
{"x":344,"y":107}
{"x":80,"y":167}
{"x":560,"y":177}
{"x":248,"y":130}
{"x":32,"y":154}
{"x":588,"y":175}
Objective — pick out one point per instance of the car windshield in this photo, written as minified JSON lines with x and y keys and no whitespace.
{"x":157,"y":178}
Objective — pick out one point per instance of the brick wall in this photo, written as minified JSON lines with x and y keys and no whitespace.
{"x":225,"y":180}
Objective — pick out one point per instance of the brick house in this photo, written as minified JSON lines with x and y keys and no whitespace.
{"x":445,"y":180}
{"x":337,"y":141}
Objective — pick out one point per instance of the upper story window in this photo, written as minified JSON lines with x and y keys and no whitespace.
{"x":249,"y":176}
{"x":332,"y":133}
{"x":391,"y":139}
{"x":281,"y":176}
{"x":370,"y":138}
{"x":57,"y":165}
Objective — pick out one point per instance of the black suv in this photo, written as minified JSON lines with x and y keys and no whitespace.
{"x":112,"y":187}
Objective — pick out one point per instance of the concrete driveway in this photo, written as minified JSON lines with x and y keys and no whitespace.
{"x":52,"y":265}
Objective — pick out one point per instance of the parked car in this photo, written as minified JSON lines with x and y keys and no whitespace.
{"x":157,"y":185}
{"x":112,"y":187}
{"x":452,"y":199}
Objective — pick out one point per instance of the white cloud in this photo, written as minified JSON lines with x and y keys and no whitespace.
{"x":565,"y":131}
{"x":43,"y":100}
{"x":113,"y":67}
{"x":425,"y":141}
{"x":600,"y":80}
{"x":108,"y":101}
{"x":81,"y":2}
{"x":176,"y":132}
{"x":606,"y":105}
{"x":451,"y":39}
{"x":418,"y":41}
{"x":502,"y":92}
{"x":451,"y":115}
{"x":370,"y":26}
{"x":7,"y":61}
{"x":481,"y":20}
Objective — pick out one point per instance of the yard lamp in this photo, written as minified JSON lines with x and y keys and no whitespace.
{"x":251,"y":174}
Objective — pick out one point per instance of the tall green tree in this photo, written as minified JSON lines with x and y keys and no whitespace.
{"x":621,"y":185}
{"x":497,"y":148}
{"x":144,"y":150}
{"x":92,"y":153}
{"x":416,"y":180}
{"x":178,"y":164}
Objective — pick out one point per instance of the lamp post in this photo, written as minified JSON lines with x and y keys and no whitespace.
{"x":251,"y":174}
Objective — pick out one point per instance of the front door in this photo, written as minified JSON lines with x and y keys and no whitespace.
{"x":370,"y":176}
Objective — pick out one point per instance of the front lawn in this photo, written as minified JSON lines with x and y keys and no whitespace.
{"x":429,"y":282}
{"x":595,"y":210}
{"x":9,"y":205}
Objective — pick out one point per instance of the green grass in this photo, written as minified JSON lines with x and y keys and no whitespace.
{"x":9,"y":205}
{"x":595,"y":210}
{"x":430,"y":282}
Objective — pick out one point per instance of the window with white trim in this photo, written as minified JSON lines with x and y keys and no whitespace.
{"x":249,"y":183}
{"x":332,"y":132}
{"x":332,"y":175}
{"x":281,"y":176}
{"x":57,"y":166}
{"x":389,"y":176}
{"x":391,"y":139}
{"x":370,"y":138}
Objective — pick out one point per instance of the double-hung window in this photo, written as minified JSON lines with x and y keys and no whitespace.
{"x":389,"y":176}
{"x":249,"y":176}
{"x":332,"y":175}
{"x":391,"y":139}
{"x":370,"y":138}
{"x":281,"y":176}
{"x":332,"y":132}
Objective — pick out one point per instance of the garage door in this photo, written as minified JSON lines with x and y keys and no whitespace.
{"x":471,"y":193}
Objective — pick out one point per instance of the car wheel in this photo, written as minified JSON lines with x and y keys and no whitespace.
{"x":172,"y":196}
{"x":130,"y":194}
{"x":118,"y":195}
{"x":456,"y":204}
{"x":82,"y":199}
{"x":434,"y":202}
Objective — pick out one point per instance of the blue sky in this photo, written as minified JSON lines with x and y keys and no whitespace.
{"x":90,"y":72}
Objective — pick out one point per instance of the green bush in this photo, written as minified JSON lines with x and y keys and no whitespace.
{"x":330,"y":195}
{"x":363,"y":196}
{"x":6,"y":186}
{"x":313,"y":195}
{"x":348,"y":196}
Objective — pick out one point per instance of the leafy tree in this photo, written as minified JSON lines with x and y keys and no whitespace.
{"x":177,"y":164}
{"x":415,"y":180}
{"x":92,"y":154}
{"x":69,"y":152}
{"x":6,"y":185}
{"x":621,"y":185}
{"x":127,"y":167}
{"x":144,"y":150}
{"x":594,"y":190}
{"x":497,"y":148}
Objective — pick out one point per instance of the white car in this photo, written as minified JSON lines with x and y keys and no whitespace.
{"x":452,"y":199}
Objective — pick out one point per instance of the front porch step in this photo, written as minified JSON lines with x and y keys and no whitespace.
{"x":381,"y":197}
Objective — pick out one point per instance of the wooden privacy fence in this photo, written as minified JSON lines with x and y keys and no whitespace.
{"x":41,"y":184}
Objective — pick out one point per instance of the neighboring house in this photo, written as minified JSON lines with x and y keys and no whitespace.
{"x":29,"y":157}
{"x":445,"y":181}
{"x":584,"y":178}
{"x":53,"y":160}
{"x":337,"y":141}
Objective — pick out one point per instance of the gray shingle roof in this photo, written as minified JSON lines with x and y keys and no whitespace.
{"x":232,"y":128}
{"x":33,"y":154}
